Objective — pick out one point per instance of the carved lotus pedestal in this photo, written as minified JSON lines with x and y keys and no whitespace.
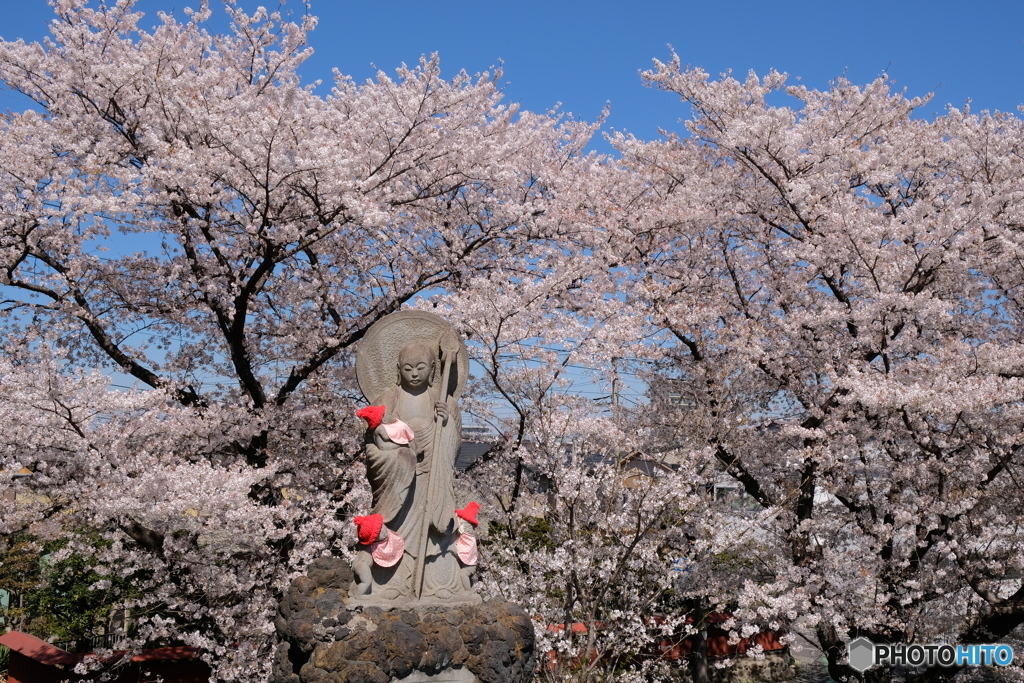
{"x":327,"y":641}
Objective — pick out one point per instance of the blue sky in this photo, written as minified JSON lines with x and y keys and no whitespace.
{"x":586,"y":54}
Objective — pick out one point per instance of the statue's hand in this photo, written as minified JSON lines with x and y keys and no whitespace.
{"x":442,"y":409}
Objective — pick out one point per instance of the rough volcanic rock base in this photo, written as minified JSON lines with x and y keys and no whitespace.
{"x":324,"y":641}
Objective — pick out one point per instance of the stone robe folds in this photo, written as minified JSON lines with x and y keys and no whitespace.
{"x":412,"y":487}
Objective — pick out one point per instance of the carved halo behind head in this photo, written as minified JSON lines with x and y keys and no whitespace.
{"x":377,"y":356}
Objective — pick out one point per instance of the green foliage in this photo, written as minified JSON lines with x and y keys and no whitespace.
{"x":536,"y":534}
{"x":733,"y":559}
{"x":55,"y":594}
{"x":20,"y":574}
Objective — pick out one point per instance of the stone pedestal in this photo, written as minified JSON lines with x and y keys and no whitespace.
{"x":326,"y":641}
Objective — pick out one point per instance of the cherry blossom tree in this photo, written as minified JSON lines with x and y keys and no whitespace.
{"x":591,"y":548}
{"x":838,"y":283}
{"x":179,"y":209}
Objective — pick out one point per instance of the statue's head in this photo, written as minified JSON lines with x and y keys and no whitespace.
{"x":417,"y":364}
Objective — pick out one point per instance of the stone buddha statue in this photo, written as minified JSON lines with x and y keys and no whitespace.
{"x":413,"y":482}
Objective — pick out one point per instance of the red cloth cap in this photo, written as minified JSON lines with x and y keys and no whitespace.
{"x":369,"y":528}
{"x":468,"y":513}
{"x":372,"y":414}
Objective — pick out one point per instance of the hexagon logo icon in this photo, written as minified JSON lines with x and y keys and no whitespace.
{"x":862,"y":654}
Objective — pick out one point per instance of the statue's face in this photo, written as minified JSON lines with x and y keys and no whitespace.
{"x":415,"y":364}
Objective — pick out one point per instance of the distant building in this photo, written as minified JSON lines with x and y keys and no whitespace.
{"x":477,"y":442}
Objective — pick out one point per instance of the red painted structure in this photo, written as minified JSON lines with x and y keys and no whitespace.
{"x":718,"y":641}
{"x":678,"y":647}
{"x":35,"y":661}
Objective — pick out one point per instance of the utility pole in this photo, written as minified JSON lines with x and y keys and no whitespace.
{"x":615,"y":390}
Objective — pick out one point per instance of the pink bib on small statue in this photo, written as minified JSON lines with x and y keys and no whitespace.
{"x":465,"y":547}
{"x":388,"y":552}
{"x":399,"y":432}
